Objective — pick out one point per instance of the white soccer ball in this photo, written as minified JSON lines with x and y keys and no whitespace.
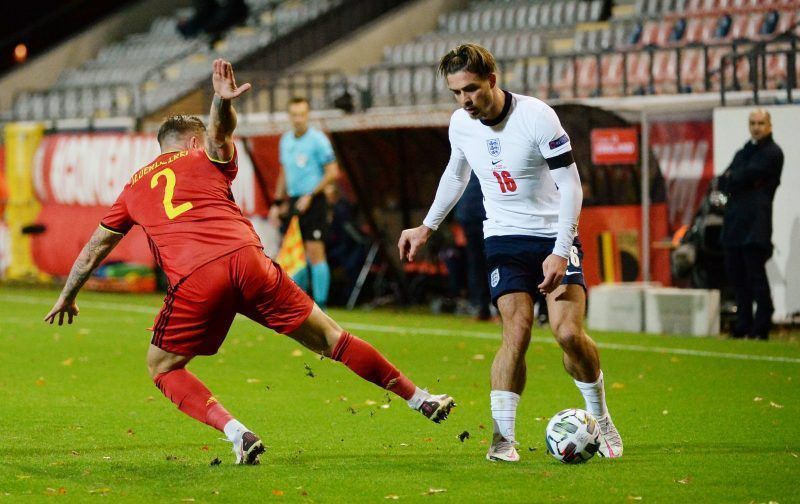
{"x":572,"y":436}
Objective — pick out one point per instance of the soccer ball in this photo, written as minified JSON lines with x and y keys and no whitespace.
{"x":572,"y":436}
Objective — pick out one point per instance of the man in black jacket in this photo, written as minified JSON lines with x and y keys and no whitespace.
{"x":750,"y":182}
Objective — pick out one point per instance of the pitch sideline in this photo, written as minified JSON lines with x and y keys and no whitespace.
{"x":442,"y":332}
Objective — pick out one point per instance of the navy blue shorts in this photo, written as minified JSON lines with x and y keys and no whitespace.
{"x":515,"y":264}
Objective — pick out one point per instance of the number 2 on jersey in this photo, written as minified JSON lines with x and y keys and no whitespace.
{"x":169,"y":192}
{"x":507,"y":184}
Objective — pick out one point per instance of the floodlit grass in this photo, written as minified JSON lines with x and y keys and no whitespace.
{"x":80,"y":418}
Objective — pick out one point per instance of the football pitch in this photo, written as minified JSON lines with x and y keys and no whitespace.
{"x":703,"y":420}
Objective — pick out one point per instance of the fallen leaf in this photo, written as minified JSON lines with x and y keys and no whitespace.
{"x":68,"y":361}
{"x":392,"y":497}
{"x":83,"y":330}
{"x":370,"y":402}
{"x":309,"y":372}
{"x":204,"y":448}
{"x":150,"y":398}
{"x":277,"y":492}
{"x":41,"y":381}
{"x":428,"y":440}
{"x":73,"y":452}
{"x":479,"y":356}
{"x":464,"y":435}
{"x":352,"y":410}
{"x":665,"y":412}
{"x":541,"y":419}
{"x":674,"y":359}
{"x":343,"y":398}
{"x":617,"y":385}
{"x":685,"y":481}
{"x":56,"y":491}
{"x":403,"y":444}
{"x":297,"y":352}
{"x":758,"y":399}
{"x":483,"y":441}
{"x":385,"y":406}
{"x":23,"y":476}
{"x":634,"y":498}
{"x":432,"y":491}
{"x":131,"y":433}
{"x":481,"y":426}
{"x":216,"y":461}
{"x":103,"y":490}
{"x":775,"y":405}
{"x":188,"y":499}
{"x":253,"y":380}
{"x":532,"y":448}
{"x":793,"y":454}
{"x":106,"y":458}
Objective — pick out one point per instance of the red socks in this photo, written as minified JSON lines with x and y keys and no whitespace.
{"x":365,"y":361}
{"x":192,"y":397}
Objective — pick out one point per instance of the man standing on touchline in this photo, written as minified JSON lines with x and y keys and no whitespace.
{"x":308,"y":165}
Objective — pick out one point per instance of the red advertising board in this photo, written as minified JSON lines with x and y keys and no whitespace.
{"x":615,"y":146}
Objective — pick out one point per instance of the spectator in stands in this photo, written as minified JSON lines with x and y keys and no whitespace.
{"x":769,"y":23}
{"x":678,"y":31}
{"x":470,"y":214}
{"x":750,"y":183}
{"x":213,"y":17}
{"x":308,"y":166}
{"x":723,"y":26}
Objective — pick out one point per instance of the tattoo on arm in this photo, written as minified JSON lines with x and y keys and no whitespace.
{"x":98,"y":247}
{"x":221,"y":123}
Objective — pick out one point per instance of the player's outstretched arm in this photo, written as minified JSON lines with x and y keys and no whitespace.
{"x":96,"y":249}
{"x":222,"y":117}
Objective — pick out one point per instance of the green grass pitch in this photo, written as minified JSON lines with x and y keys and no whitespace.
{"x":80,"y":418}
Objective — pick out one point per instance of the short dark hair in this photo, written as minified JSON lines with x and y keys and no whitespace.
{"x":298,"y":99}
{"x":470,"y":57}
{"x":179,"y":125}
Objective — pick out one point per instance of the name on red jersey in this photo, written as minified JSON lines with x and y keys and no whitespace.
{"x":147,"y":169}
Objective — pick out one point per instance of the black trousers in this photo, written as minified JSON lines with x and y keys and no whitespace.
{"x":747,"y":273}
{"x":477,"y":276}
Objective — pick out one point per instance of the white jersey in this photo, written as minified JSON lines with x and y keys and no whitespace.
{"x":508,"y":155}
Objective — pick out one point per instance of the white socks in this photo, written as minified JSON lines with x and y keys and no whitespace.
{"x":418,"y":398}
{"x":504,"y":413}
{"x":234,"y":430}
{"x":595,"y":396}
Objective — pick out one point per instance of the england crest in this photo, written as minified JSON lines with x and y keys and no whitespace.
{"x":493,"y":144}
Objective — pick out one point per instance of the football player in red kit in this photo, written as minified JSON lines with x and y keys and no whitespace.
{"x":216,"y":268}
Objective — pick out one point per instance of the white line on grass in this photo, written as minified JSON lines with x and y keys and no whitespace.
{"x":441,"y":332}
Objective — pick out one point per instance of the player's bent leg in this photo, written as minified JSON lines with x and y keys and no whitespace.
{"x":509,"y":373}
{"x":322,"y":334}
{"x":193,"y":398}
{"x":581,"y":360}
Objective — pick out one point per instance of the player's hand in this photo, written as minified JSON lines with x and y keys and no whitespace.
{"x":302,"y":204}
{"x":554,"y":269}
{"x":61,"y":307}
{"x":223,"y":81}
{"x":411,"y":240}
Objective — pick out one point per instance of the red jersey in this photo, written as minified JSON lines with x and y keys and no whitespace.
{"x":184,"y":203}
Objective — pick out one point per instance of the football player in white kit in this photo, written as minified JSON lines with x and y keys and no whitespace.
{"x":532,"y":193}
